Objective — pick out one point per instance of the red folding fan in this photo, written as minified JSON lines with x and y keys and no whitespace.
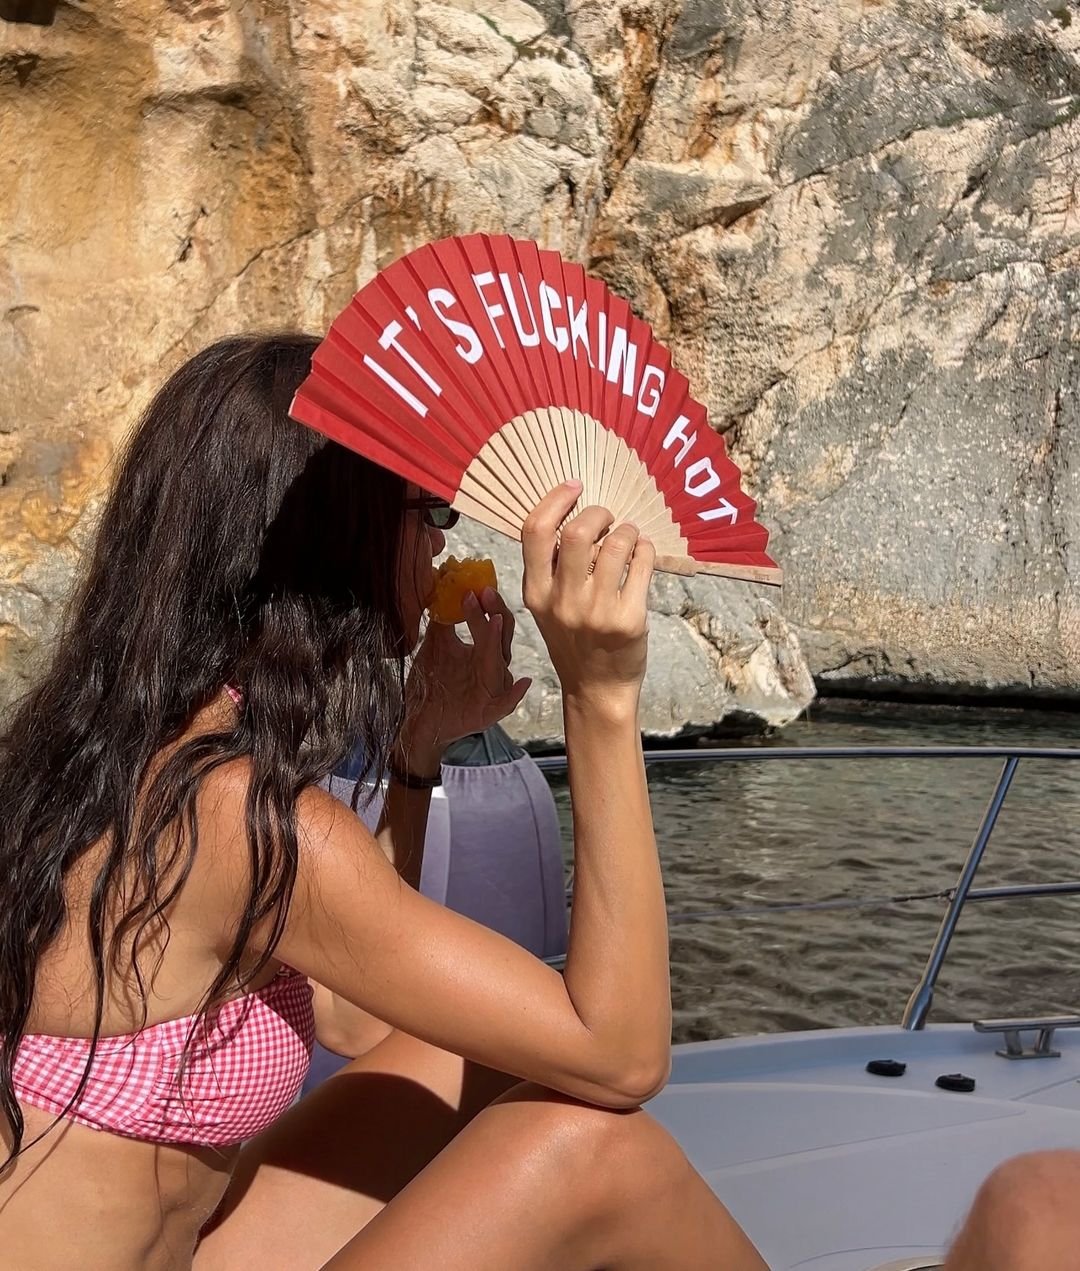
{"x":487,"y":372}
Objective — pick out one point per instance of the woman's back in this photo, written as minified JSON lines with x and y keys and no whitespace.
{"x":80,"y":1198}
{"x":112,"y":1200}
{"x":179,"y":954}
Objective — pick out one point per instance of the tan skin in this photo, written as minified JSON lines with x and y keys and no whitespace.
{"x":1024,"y":1217}
{"x":413,"y":1157}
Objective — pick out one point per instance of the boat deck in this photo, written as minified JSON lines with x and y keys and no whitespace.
{"x":831,"y":1168}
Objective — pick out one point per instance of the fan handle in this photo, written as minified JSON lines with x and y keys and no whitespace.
{"x":687,"y":566}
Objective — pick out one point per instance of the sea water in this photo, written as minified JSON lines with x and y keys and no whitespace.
{"x":752,"y":847}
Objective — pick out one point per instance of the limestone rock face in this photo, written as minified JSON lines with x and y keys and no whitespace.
{"x":853,"y":220}
{"x":862,"y":221}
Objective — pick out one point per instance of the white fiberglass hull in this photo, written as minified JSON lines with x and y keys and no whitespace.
{"x":831,"y":1168}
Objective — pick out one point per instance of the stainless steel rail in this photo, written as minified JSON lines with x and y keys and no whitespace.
{"x":922,"y":998}
{"x":957,"y":896}
{"x":756,"y":754}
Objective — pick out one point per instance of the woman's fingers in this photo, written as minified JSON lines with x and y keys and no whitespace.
{"x":476,"y":620}
{"x":509,"y":627}
{"x":513,"y":697}
{"x":635,"y":589}
{"x":493,"y":603}
{"x":614,"y":556}
{"x":577,"y":545}
{"x":487,"y":630}
{"x":539,"y":535}
{"x":494,"y":669}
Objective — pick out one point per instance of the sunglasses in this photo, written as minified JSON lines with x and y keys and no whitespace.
{"x":436,"y":512}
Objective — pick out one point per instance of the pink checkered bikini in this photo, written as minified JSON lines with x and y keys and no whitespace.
{"x":245,"y":1065}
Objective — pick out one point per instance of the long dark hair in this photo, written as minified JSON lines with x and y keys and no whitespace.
{"x":237,"y":547}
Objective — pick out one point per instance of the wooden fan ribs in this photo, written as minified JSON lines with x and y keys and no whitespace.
{"x":487,"y":371}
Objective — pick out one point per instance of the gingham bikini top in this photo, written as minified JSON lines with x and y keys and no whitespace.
{"x":245,"y":1065}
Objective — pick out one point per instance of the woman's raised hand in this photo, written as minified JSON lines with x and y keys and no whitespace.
{"x":587,"y":589}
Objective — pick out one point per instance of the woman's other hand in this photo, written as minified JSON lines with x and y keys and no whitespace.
{"x":588,"y":591}
{"x":455,"y":688}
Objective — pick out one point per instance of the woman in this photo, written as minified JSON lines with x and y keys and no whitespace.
{"x":171,"y":877}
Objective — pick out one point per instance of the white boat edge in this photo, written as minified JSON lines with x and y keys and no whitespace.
{"x":829,"y":1167}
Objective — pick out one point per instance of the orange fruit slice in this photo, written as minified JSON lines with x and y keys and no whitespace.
{"x":453,"y":582}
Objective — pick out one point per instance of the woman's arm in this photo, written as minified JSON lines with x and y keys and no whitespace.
{"x":357,"y":929}
{"x":617,"y":973}
{"x":403,"y":826}
{"x":340,"y":1026}
{"x":343,"y":1028}
{"x":454,"y":689}
{"x":602,"y":1033}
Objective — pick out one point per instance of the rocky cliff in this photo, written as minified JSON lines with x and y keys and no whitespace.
{"x":853,"y":221}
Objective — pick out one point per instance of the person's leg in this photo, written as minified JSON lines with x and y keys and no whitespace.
{"x":329,"y":1164}
{"x":538,"y":1181}
{"x":553,"y":1178}
{"x":1026,"y":1217}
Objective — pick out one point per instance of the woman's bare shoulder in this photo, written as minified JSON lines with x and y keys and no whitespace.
{"x":321,"y":821}
{"x":223,"y":798}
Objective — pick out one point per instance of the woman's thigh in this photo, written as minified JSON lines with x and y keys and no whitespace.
{"x":538,"y":1181}
{"x":322,"y":1171}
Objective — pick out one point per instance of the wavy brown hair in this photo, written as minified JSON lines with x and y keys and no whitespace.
{"x":237,"y":547}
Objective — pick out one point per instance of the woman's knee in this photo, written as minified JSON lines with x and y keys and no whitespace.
{"x":599,"y":1154}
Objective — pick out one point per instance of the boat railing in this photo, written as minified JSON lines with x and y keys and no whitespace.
{"x":958,"y":895}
